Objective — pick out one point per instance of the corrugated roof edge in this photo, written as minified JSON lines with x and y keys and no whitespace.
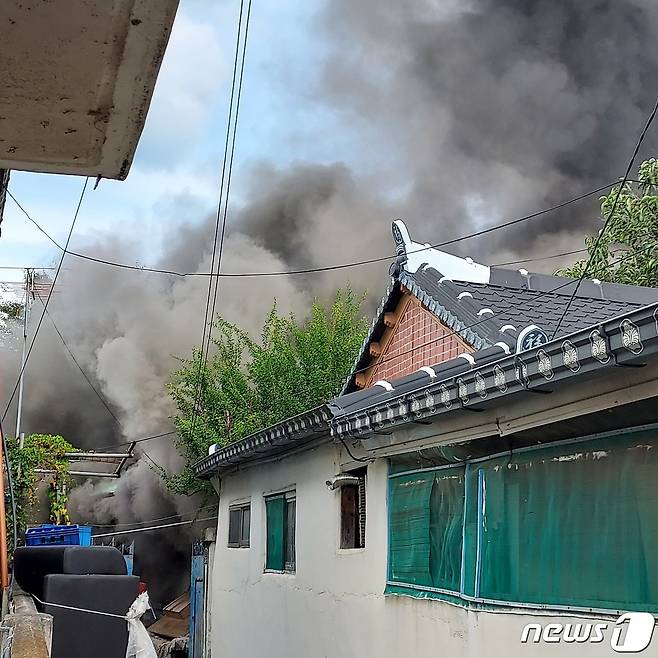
{"x":273,"y":440}
{"x":625,"y":340}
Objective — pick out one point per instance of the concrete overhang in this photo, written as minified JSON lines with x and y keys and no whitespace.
{"x":77,"y":79}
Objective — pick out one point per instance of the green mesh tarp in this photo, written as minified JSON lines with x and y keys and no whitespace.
{"x":275,"y":512}
{"x":426,"y":528}
{"x":574,"y":524}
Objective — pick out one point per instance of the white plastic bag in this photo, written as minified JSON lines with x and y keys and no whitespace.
{"x":139,"y":641}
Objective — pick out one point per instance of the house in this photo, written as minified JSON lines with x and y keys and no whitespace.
{"x":485,"y":484}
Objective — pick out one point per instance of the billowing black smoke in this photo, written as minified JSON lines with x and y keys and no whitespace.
{"x":494,"y":108}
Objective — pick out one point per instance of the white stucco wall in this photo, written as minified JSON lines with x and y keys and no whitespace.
{"x":334,"y":605}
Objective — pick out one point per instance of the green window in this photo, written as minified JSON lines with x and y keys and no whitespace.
{"x":281,"y":512}
{"x":573,"y":524}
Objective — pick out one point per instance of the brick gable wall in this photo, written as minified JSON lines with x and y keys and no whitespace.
{"x":402,"y":353}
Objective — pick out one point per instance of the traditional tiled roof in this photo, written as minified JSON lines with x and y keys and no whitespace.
{"x":490,"y":309}
{"x":287,"y":435}
{"x":480,"y":380}
{"x":486,"y":376}
{"x":484,"y":313}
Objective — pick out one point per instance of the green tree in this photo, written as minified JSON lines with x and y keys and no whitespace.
{"x":628,"y":250}
{"x":247,"y":385}
{"x":43,"y":451}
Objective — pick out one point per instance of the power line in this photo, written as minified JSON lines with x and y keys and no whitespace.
{"x":162,"y":518}
{"x":631,"y":162}
{"x":50,"y":292}
{"x":104,"y":401}
{"x":155,"y":527}
{"x":540,"y":258}
{"x":220,"y":222}
{"x":140,"y":440}
{"x":84,"y":374}
{"x":99,"y":395}
{"x":24,"y":267}
{"x":312,"y":270}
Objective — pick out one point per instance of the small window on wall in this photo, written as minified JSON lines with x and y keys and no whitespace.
{"x":353,"y":511}
{"x":281,"y":512}
{"x":239,"y":523}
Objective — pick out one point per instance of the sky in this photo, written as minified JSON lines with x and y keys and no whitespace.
{"x":175,"y":173}
{"x":453,"y":114}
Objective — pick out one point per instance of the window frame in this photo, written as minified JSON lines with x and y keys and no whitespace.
{"x":241,"y":542}
{"x":360,"y":511}
{"x":288,"y":549}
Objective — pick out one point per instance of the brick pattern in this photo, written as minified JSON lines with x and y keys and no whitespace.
{"x":402,"y":355}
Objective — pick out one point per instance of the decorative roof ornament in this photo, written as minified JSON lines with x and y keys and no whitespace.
{"x":599,"y":347}
{"x":630,"y":336}
{"x":499,"y":379}
{"x":544,"y":364}
{"x":521,"y":372}
{"x":480,"y":385}
{"x":531,"y":337}
{"x":411,"y":256}
{"x":445,"y":396}
{"x":570,"y":356}
{"x":463,"y":390}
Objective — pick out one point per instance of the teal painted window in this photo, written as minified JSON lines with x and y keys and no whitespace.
{"x":573,"y":524}
{"x":281,"y":513}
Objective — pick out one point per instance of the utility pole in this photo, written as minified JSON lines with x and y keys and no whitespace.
{"x":29,"y":285}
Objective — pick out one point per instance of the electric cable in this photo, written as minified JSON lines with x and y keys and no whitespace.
{"x":540,"y":258}
{"x":312,"y":270}
{"x":99,"y":395}
{"x":162,"y":518}
{"x":50,"y":292}
{"x":220,"y":222}
{"x":631,"y":162}
{"x":155,"y":527}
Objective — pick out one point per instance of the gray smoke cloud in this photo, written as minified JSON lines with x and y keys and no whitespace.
{"x":125,"y":330}
{"x":463,"y":114}
{"x":495,"y":108}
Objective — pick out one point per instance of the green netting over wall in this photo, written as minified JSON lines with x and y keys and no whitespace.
{"x":426,"y":528}
{"x":573,"y":524}
{"x":275,"y":518}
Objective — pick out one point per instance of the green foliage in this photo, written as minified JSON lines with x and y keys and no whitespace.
{"x":45,"y":451}
{"x":248,"y":385}
{"x":12,"y":309}
{"x":628,"y":250}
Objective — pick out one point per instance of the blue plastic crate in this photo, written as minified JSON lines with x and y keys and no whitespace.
{"x":58,"y":535}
